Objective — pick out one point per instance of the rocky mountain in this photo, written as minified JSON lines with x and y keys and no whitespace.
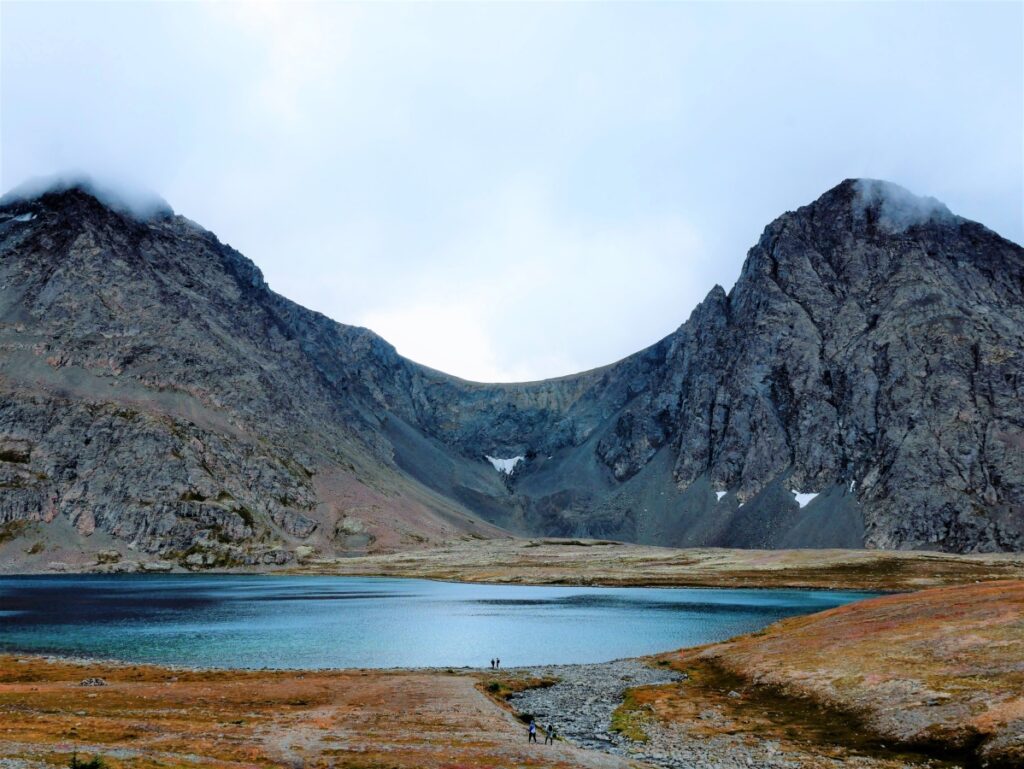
{"x":861,"y":385}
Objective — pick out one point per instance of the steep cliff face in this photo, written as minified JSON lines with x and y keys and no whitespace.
{"x":157,"y":392}
{"x":860,"y":385}
{"x":872,"y":344}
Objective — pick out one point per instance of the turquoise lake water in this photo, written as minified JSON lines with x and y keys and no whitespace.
{"x":333,"y":622}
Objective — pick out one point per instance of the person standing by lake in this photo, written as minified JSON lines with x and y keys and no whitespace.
{"x":549,"y":735}
{"x":532,"y":731}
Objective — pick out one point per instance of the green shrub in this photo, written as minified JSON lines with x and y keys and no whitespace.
{"x":93,"y":763}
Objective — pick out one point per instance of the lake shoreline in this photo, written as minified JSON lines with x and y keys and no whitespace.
{"x":725,"y":706}
{"x":705,"y":707}
{"x":309,"y":622}
{"x":587,"y":563}
{"x":588,"y":736}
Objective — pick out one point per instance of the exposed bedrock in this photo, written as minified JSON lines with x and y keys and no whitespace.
{"x":861,"y":384}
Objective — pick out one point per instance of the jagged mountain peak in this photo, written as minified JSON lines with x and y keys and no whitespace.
{"x":867,"y":211}
{"x":864,"y":233}
{"x":157,"y":392}
{"x":876,"y":203}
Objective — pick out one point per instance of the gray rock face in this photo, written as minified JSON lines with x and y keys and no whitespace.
{"x":156,"y":390}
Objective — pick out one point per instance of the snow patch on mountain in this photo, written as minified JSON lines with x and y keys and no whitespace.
{"x":804,"y":499}
{"x":505,"y":466}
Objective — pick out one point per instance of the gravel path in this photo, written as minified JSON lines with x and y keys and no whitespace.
{"x":581,"y":704}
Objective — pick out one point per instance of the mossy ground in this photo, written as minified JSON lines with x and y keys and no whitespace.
{"x":630,"y":717}
{"x":938,"y":673}
{"x":501,"y":685}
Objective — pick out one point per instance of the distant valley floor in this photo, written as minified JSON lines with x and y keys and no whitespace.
{"x":597,"y":562}
{"x":548,"y":561}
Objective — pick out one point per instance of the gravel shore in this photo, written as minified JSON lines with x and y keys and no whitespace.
{"x":581,"y":705}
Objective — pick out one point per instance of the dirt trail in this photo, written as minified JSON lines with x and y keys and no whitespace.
{"x":439,"y":717}
{"x":147,"y":716}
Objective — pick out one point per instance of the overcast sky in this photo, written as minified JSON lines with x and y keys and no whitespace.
{"x":508,"y":191}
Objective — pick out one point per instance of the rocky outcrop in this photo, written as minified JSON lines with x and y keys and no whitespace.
{"x":155,"y":390}
{"x":859,"y":385}
{"x":868,"y":357}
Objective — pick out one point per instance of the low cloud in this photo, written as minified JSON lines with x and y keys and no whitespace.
{"x":119,"y":195}
{"x":370,"y":157}
{"x":899,"y":208}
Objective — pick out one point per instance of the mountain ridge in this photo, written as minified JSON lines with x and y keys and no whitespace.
{"x":702,"y":438}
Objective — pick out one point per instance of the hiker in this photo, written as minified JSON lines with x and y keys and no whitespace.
{"x":492,"y":663}
{"x":533,"y":731}
{"x":549,"y":735}
{"x":497,"y":664}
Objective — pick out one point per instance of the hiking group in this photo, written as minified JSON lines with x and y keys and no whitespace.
{"x":549,"y":734}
